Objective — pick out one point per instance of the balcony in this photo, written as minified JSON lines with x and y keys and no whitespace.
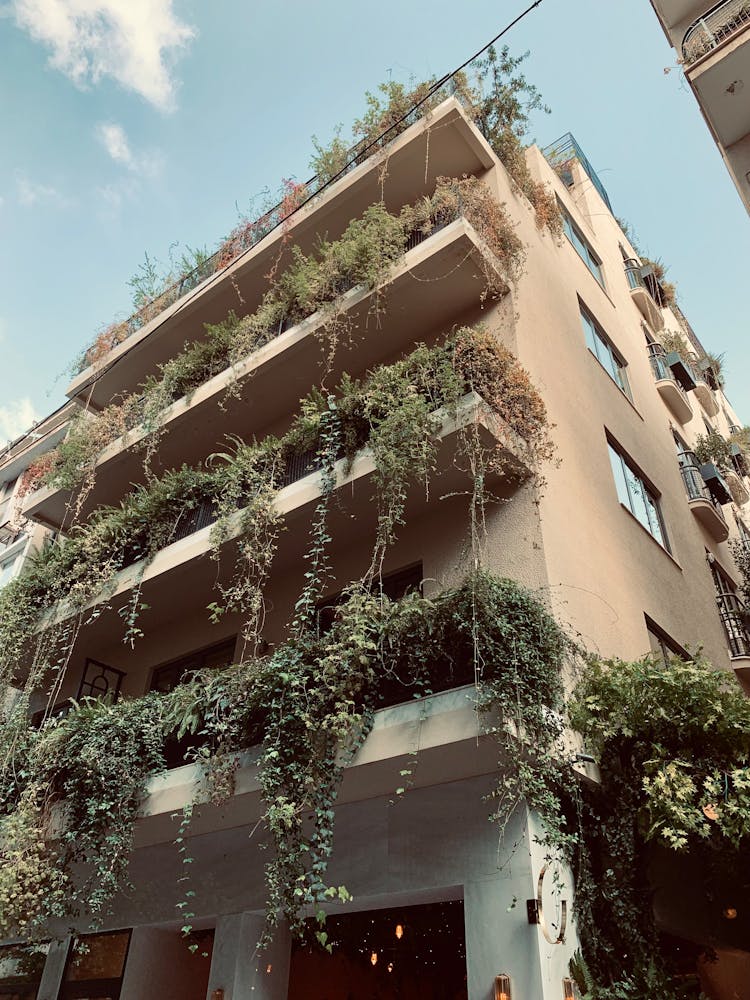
{"x":705,"y":396}
{"x":642,"y":296}
{"x":667,"y":385}
{"x":268,"y":384}
{"x":182,"y":572}
{"x":734,"y":619}
{"x":706,"y":510}
{"x":717,"y":25}
{"x":445,"y":143}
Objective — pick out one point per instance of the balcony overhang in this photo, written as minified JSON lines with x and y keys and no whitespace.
{"x":648,"y":308}
{"x":710,"y":518}
{"x":442,"y":144}
{"x":183,"y":573}
{"x":740,"y":493}
{"x":268,"y":384}
{"x":705,"y":396}
{"x":675,"y":399}
{"x":720,"y":78}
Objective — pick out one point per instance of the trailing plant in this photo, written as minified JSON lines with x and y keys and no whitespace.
{"x":317,"y":283}
{"x":66,"y":822}
{"x":673,"y":745}
{"x":311,"y":704}
{"x":714,"y":447}
{"x":496,"y":96}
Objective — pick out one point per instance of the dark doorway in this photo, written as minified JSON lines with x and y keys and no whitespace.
{"x":95,"y":966}
{"x":408,"y":952}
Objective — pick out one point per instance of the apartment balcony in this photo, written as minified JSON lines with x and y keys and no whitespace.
{"x":443,"y":144}
{"x":706,"y":509}
{"x":667,"y":385}
{"x":735,"y":620}
{"x":183,"y":571}
{"x":716,"y":53}
{"x":706,"y":396}
{"x":268,"y":384}
{"x":642,"y":297}
{"x":737,"y":487}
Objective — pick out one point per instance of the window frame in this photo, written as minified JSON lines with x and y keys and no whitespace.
{"x":667,"y":645}
{"x":650,"y":516}
{"x":581,"y":245}
{"x":599,"y":339}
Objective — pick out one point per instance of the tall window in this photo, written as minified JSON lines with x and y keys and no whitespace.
{"x":662,"y":644}
{"x":639,"y":498}
{"x":590,"y":258}
{"x":604,"y":351}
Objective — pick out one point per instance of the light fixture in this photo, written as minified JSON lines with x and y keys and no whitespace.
{"x":269,"y":968}
{"x":730,"y":913}
{"x":569,"y":992}
{"x":399,"y":931}
{"x":217,"y":994}
{"x":390,"y":966}
{"x":502,"y":987}
{"x":374,"y":958}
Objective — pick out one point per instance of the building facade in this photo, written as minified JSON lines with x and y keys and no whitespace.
{"x":627,"y":543}
{"x":712,"y":42}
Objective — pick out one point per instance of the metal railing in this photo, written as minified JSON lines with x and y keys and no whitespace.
{"x":734,"y":619}
{"x":695,"y":484}
{"x":657,"y":357}
{"x":566,"y":149}
{"x":714,"y":27}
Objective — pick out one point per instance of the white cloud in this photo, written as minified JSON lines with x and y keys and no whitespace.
{"x":16,"y":418}
{"x":133,"y":41}
{"x":114,"y":139}
{"x":31,"y":193}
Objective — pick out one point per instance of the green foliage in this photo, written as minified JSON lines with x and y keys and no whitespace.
{"x":714,"y":447}
{"x":311,"y":702}
{"x":673,"y":744}
{"x":66,"y":823}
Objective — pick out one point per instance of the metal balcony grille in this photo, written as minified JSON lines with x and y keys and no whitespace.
{"x":714,"y":27}
{"x":695,"y":485}
{"x":733,"y":617}
{"x":565,"y":149}
{"x":633,"y":273}
{"x":657,"y":358}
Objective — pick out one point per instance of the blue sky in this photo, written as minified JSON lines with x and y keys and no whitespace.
{"x":129,"y":126}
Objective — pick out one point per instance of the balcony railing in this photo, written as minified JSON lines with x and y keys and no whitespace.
{"x":564,"y":151}
{"x":734,"y":619}
{"x":695,"y":485}
{"x":657,"y":357}
{"x":714,"y":27}
{"x":633,"y":274}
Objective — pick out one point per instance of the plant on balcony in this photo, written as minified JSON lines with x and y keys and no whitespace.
{"x":666,"y":290}
{"x":312,"y":700}
{"x":673,"y":744}
{"x":66,"y":818}
{"x":314,"y":283}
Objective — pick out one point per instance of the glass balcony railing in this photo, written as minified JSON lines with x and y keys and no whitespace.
{"x":633,"y":274}
{"x":658,"y":359}
{"x":719,"y":23}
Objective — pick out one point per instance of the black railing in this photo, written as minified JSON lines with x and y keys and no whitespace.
{"x":714,"y":27}
{"x":734,"y":619}
{"x":695,"y":484}
{"x":566,"y":149}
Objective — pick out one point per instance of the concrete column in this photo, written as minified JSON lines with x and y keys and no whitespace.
{"x":54,"y":968}
{"x":240,"y":969}
{"x":160,"y":964}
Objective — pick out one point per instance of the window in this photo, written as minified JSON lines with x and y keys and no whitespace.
{"x":662,"y":644}
{"x":95,"y":966}
{"x":167,"y":677}
{"x":586,"y":251}
{"x":393,"y":585}
{"x":100,"y":681}
{"x":637,"y":496}
{"x":608,"y":357}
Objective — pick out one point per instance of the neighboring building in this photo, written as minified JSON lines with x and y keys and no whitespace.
{"x":19,"y":537}
{"x":712,"y":42}
{"x":628,"y":542}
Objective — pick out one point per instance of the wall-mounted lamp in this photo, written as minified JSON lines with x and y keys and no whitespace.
{"x":374,"y":958}
{"x":569,"y":990}
{"x":399,"y":931}
{"x":217,"y":994}
{"x":502,"y":987}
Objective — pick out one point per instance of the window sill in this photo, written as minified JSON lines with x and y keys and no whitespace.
{"x":648,"y":534}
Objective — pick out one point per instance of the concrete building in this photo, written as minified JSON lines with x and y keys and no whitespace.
{"x":712,"y":42}
{"x":20,"y":537}
{"x":628,"y":542}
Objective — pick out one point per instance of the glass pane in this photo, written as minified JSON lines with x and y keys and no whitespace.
{"x":589,"y":332}
{"x":639,"y":502}
{"x":98,"y":956}
{"x":655,"y":519}
{"x":619,"y":474}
